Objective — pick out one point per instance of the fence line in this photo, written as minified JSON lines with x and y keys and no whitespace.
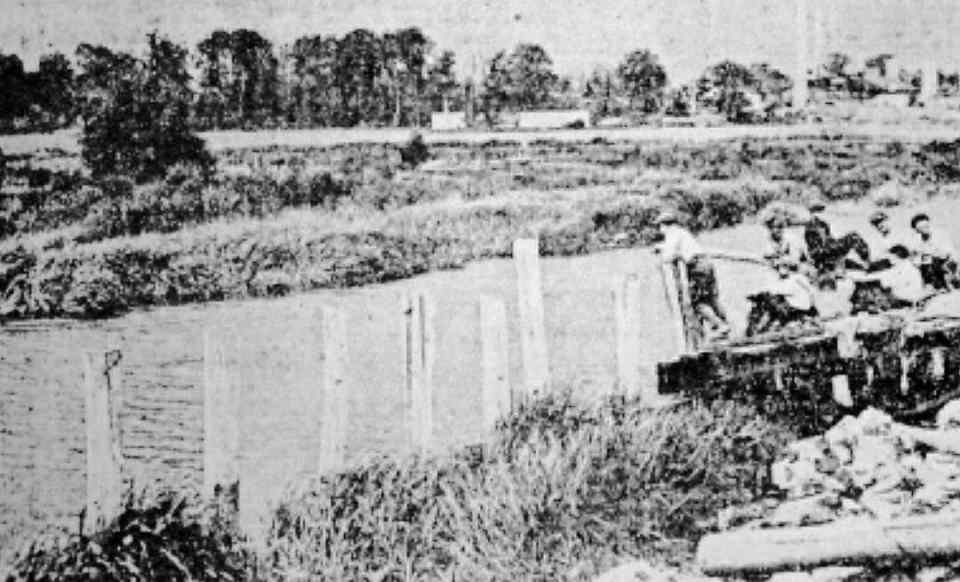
{"x":221,"y":409}
{"x":105,"y":486}
{"x":533,"y":337}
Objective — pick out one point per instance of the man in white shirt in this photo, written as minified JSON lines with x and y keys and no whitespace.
{"x":679,"y":244}
{"x":882,"y":240}
{"x":936,"y":255}
{"x":903,"y":280}
{"x":896,"y":287}
{"x":787,"y":300}
{"x":784,"y":246}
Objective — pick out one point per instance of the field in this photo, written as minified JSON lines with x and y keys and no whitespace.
{"x":589,"y":202}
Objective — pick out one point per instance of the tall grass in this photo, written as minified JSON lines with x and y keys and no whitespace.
{"x":565,"y":490}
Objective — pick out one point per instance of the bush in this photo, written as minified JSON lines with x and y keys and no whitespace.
{"x":94,"y":291}
{"x":414,"y":152}
{"x":563,"y":491}
{"x":152,"y":539}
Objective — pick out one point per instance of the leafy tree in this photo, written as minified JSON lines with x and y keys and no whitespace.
{"x":316,"y":93}
{"x":357,"y":71}
{"x":643,"y":79}
{"x":14,"y":91}
{"x":239,"y":79}
{"x":602,"y":90}
{"x":837,"y":63}
{"x":521,"y":80}
{"x":442,"y":86}
{"x":880,"y":63}
{"x":136,"y":112}
{"x":404,"y":62}
{"x":771,"y":84}
{"x":725,"y":86}
{"x":52,"y":90}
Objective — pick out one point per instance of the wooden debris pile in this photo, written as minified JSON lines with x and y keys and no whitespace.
{"x":867,"y":490}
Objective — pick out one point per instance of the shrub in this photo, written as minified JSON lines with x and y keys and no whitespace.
{"x":136,"y":120}
{"x":561,"y":492}
{"x":94,"y":291}
{"x":414,"y":152}
{"x":152,"y":539}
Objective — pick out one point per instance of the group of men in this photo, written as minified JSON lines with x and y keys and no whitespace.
{"x":891,"y":271}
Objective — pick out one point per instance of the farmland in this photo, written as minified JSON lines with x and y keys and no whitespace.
{"x":356,"y":239}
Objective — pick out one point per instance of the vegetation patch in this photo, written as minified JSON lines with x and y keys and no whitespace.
{"x":565,"y":490}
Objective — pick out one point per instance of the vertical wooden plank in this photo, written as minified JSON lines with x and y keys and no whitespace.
{"x":335,"y":390}
{"x":626,"y":299}
{"x":221,"y":431}
{"x":533,"y":336}
{"x":105,"y":487}
{"x":672,"y":292}
{"x":692,"y":328}
{"x":938,"y":367}
{"x":418,"y":369}
{"x":494,"y":350}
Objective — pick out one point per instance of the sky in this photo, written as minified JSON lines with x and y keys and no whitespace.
{"x":579,"y":35}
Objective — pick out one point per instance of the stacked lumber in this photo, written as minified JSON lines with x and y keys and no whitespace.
{"x":868,"y":489}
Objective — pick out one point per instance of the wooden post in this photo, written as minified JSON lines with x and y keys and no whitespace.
{"x":335,"y":390}
{"x":418,"y":369}
{"x":626,"y":300}
{"x":221,"y":431}
{"x":840,"y":385}
{"x":494,"y":352}
{"x":674,"y":306}
{"x":938,"y":366}
{"x":105,"y":486}
{"x":533,"y":336}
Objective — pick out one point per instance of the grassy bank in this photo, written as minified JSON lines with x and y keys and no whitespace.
{"x":187,"y":240}
{"x":565,"y":490}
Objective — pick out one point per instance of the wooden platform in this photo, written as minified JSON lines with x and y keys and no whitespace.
{"x":893,"y":361}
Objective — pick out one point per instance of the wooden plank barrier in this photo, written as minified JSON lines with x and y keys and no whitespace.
{"x":418,"y":369}
{"x":335,"y":390}
{"x":533,"y":336}
{"x":851,"y":541}
{"x":105,"y":485}
{"x":221,"y":430}
{"x":494,"y":350}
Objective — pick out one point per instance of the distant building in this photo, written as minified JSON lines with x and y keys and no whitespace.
{"x":448,"y":120}
{"x":553,"y":119}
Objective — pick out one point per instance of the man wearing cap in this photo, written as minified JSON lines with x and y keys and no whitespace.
{"x":679,"y":244}
{"x":787,"y":300}
{"x":935,"y":253}
{"x":882,"y":240}
{"x":783,"y":246}
{"x":826,"y":252}
{"x":898,"y":286}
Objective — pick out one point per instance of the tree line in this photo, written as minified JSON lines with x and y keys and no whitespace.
{"x":238,"y":79}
